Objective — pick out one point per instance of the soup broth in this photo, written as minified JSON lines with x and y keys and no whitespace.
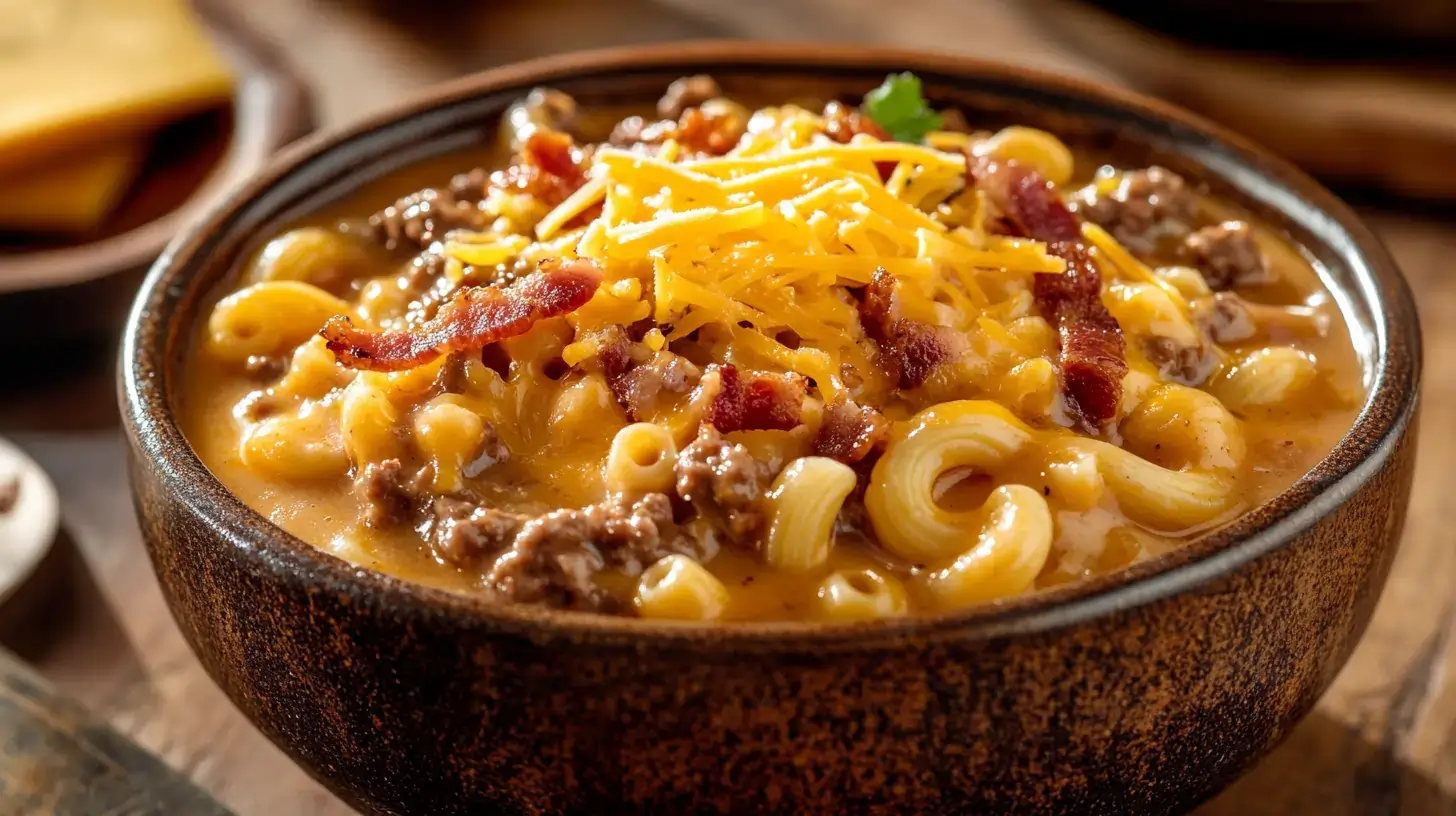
{"x":714,"y":363}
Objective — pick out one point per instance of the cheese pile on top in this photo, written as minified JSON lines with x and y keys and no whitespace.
{"x":763,"y":241}
{"x":83,"y":85}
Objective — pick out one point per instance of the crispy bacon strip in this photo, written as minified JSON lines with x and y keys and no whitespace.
{"x":472,"y":319}
{"x":756,"y":401}
{"x":1094,"y":353}
{"x":910,"y":351}
{"x":849,"y":432}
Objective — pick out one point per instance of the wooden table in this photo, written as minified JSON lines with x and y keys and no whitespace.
{"x":1383,"y":741}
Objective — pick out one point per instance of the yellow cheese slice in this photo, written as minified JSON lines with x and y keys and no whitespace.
{"x":82,"y":73}
{"x":71,"y":194}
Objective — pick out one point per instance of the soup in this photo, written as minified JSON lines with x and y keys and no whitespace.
{"x":789,"y":363}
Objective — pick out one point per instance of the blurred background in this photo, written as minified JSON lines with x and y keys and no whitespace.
{"x":119,"y":118}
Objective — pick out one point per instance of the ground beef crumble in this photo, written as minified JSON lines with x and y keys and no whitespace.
{"x":1180,"y":363}
{"x":687,"y":92}
{"x":701,"y":133}
{"x":421,"y":218}
{"x":1225,"y":318}
{"x":724,"y":484}
{"x":1227,"y":255}
{"x":553,"y":559}
{"x":1144,"y":206}
{"x":388,"y":493}
{"x":464,"y":532}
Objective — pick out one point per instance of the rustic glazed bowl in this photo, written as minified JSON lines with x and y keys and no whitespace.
{"x":1144,"y":691}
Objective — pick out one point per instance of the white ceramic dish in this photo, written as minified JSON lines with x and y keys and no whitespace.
{"x":29,"y":529}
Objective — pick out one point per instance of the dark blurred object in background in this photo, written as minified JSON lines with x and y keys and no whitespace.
{"x":1408,"y":29}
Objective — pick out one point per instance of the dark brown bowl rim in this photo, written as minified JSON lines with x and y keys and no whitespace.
{"x":158,"y":443}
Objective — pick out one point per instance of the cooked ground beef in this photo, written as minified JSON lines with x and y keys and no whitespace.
{"x":541,"y":109}
{"x":1225,"y":318}
{"x":553,"y":559}
{"x":464,"y":532}
{"x":700,"y":133}
{"x":9,"y":493}
{"x":388,"y":493}
{"x":687,"y":92}
{"x":470,"y":185}
{"x":724,"y":484}
{"x":1189,"y":365}
{"x":1145,"y":205}
{"x":421,"y":218}
{"x":492,"y":452}
{"x":638,"y":388}
{"x":1227,"y":255}
{"x":427,"y":286}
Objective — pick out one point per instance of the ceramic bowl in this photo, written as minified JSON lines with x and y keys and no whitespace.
{"x":1143,"y":691}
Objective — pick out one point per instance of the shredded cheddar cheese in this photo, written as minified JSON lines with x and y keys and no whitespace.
{"x":758,"y":241}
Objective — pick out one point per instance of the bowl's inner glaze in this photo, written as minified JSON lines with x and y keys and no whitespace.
{"x":1128,"y":137}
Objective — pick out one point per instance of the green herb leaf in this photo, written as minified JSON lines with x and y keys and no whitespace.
{"x":899,"y":107}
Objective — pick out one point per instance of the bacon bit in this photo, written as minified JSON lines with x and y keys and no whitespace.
{"x":1025,"y":199}
{"x":699,"y":133}
{"x":849,"y":432}
{"x":758,"y":401}
{"x":550,"y":169}
{"x":638,"y":384}
{"x":909,"y":351}
{"x":1094,"y":354}
{"x":472,"y":319}
{"x":842,"y":123}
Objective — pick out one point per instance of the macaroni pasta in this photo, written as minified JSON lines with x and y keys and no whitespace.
{"x":840,"y":364}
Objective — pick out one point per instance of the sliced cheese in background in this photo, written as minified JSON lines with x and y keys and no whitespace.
{"x":71,"y":193}
{"x":88,"y":73}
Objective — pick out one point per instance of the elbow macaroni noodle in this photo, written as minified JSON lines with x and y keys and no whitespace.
{"x":985,"y":485}
{"x":806,"y":499}
{"x":677,"y":587}
{"x":641,"y":460}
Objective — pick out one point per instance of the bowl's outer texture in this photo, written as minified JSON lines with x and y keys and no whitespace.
{"x":1141,"y":692}
{"x":1147,"y":710}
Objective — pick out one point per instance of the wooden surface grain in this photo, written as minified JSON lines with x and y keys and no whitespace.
{"x":1383,"y":741}
{"x":56,"y":758}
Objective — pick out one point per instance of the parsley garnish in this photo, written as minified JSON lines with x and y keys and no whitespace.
{"x":899,"y":107}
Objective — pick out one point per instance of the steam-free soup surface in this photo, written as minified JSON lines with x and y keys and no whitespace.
{"x":836,"y":364}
